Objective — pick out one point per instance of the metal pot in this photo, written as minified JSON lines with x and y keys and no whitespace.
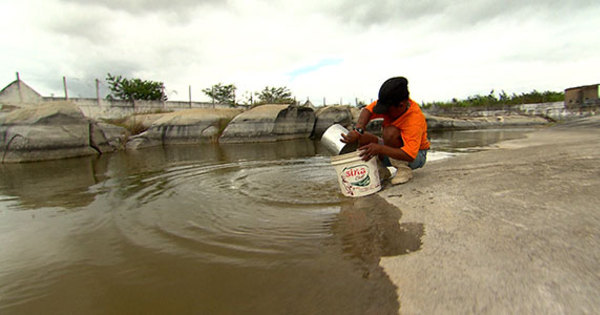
{"x":332,"y":140}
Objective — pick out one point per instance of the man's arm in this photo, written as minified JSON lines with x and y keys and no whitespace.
{"x":363,"y":118}
{"x":374,"y":149}
{"x":353,"y":135}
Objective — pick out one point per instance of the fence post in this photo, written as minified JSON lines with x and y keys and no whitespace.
{"x":98,"y":91}
{"x":19,"y":88}
{"x":162,"y":95}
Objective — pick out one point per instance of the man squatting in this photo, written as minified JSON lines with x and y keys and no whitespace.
{"x":404,"y":143}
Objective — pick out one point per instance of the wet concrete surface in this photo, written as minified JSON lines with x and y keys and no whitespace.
{"x":509,"y":231}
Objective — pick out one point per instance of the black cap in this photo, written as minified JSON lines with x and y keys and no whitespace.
{"x":391,"y":93}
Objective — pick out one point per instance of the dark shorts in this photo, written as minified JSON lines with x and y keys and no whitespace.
{"x":417,"y":163}
{"x":419,"y":160}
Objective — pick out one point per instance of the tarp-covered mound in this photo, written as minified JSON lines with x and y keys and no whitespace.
{"x":191,"y":126}
{"x":330,"y":115}
{"x":267,"y":123}
{"x":50,"y":131}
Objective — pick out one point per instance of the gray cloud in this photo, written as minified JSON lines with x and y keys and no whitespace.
{"x":384,"y":11}
{"x":84,"y":26}
{"x":201,"y":42}
{"x":181,"y":8}
{"x":82,"y":73}
{"x":452,"y":13}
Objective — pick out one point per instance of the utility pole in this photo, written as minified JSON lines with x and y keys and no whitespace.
{"x":190,"y":93}
{"x":65,"y":85}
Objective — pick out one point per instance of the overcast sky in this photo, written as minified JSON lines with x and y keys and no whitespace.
{"x":333,"y":49}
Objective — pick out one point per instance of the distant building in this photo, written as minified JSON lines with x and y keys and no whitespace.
{"x":308,"y":103}
{"x":19,"y":93}
{"x":582,"y":96}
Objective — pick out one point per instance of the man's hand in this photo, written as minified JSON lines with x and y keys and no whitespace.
{"x":351,"y":137}
{"x":370,"y":150}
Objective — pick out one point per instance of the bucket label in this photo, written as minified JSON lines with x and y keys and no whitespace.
{"x":357,"y":176}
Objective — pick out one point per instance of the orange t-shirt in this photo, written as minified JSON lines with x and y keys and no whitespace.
{"x":412,"y":125}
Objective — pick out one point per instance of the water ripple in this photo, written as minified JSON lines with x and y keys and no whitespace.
{"x":240,"y":212}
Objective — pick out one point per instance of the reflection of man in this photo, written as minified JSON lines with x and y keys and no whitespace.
{"x":404,"y":138}
{"x":370,"y":228}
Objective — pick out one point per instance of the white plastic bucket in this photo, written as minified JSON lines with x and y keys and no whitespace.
{"x":356,"y":177}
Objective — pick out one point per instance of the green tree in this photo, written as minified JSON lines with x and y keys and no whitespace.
{"x":275,"y":95}
{"x":222,"y":94}
{"x":134,"y":89}
{"x":503,"y":99}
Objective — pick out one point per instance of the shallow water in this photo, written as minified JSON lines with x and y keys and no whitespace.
{"x":465,"y":141}
{"x":257,"y":228}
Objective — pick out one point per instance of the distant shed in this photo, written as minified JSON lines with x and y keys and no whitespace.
{"x":18,"y":93}
{"x":582,"y":96}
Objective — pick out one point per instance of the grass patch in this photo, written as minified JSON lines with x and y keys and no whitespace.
{"x":132,"y":125}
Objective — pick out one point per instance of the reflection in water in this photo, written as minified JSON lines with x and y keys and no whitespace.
{"x":472,"y":140}
{"x":370,"y":228}
{"x":371,"y":223}
{"x":35,"y":184}
{"x":259,"y":228}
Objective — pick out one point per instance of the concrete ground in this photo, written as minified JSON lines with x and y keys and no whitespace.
{"x":513,"y":230}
